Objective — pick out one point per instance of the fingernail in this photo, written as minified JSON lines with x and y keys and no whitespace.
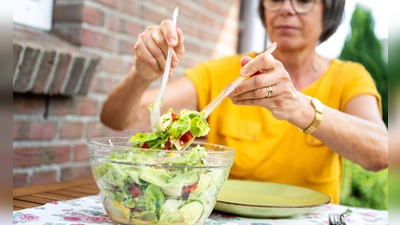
{"x":174,"y":64}
{"x":243,"y":71}
{"x":172,"y":41}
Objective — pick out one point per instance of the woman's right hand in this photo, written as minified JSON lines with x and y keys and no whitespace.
{"x":151,"y":50}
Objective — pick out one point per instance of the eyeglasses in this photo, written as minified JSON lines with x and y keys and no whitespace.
{"x":299,"y":6}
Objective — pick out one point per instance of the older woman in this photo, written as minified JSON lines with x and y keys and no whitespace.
{"x":292,"y":122}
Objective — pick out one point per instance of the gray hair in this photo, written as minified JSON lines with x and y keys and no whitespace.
{"x":332,"y":17}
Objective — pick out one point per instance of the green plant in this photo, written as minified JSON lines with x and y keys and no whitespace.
{"x":364,"y":47}
{"x":363,"y":188}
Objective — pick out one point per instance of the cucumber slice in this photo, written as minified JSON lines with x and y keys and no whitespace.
{"x":192,"y":212}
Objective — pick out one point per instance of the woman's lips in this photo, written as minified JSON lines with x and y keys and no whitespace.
{"x":286,"y":28}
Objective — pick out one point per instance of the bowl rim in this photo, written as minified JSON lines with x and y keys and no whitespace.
{"x":226,"y":149}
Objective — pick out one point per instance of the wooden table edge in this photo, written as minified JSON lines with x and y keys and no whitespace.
{"x":29,"y":190}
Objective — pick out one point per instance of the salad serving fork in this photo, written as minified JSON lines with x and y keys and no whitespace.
{"x":155,"y":108}
{"x":222,"y":95}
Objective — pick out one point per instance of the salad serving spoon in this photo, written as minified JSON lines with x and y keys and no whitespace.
{"x":223,"y":94}
{"x":155,"y":107}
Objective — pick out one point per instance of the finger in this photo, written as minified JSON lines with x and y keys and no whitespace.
{"x":179,"y":50}
{"x":155,"y":52}
{"x":262,"y":62}
{"x":255,"y":82}
{"x":170,"y":33}
{"x":258,"y":93}
{"x":143,"y":54}
{"x":258,"y":102}
{"x":245,"y":59}
{"x":158,"y":38}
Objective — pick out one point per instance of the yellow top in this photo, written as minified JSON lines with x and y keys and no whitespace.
{"x":273,"y":150}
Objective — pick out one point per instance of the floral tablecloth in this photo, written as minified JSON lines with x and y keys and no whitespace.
{"x":89,"y":210}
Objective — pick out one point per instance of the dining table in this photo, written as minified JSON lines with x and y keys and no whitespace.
{"x":77,"y":202}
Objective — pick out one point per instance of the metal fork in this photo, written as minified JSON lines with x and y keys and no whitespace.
{"x":338,"y":219}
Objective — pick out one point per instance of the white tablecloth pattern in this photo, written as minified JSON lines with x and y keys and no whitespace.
{"x":89,"y":210}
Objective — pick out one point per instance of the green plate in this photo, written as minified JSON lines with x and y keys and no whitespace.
{"x":268,"y":200}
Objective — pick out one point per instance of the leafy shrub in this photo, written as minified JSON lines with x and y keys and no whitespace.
{"x":362,"y":188}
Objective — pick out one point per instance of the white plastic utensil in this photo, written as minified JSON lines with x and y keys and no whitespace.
{"x":222,"y":95}
{"x":155,"y":108}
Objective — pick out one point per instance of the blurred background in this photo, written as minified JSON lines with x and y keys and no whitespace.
{"x":69,"y":54}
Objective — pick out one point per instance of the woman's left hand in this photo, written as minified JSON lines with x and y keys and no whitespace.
{"x":269,"y":86}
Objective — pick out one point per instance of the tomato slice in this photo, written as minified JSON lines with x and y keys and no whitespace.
{"x":145,"y":145}
{"x":190,"y":188}
{"x":135,"y":191}
{"x":185,"y":137}
{"x":174,"y":117}
{"x":167,"y":145}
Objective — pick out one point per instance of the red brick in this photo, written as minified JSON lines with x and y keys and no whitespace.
{"x":80,"y":153}
{"x":188,"y":28}
{"x":60,"y":74}
{"x":35,"y":130}
{"x":186,"y":8}
{"x":71,"y":130}
{"x":171,"y":3}
{"x":97,"y":129}
{"x":93,"y":15}
{"x":114,"y":65}
{"x":28,"y":104}
{"x":69,"y":32}
{"x":15,"y":131}
{"x":26,"y":68}
{"x":39,"y":86}
{"x":20,"y":180}
{"x":213,"y":6}
{"x":17,"y":49}
{"x":75,"y":172}
{"x":36,"y":156}
{"x":68,"y":13}
{"x":76,"y":106}
{"x":83,"y":89}
{"x":133,"y":28}
{"x":109,"y":42}
{"x":205,"y":19}
{"x":128,"y":66}
{"x":126,"y":47}
{"x":111,"y":3}
{"x":91,"y":38}
{"x":102,"y":85}
{"x":129,"y":6}
{"x":45,"y":177}
{"x":147,"y":12}
{"x":192,"y":47}
{"x":114,"y":23}
{"x":42,"y":130}
{"x":75,"y":72}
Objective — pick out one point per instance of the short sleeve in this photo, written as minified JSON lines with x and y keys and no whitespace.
{"x":359,"y":82}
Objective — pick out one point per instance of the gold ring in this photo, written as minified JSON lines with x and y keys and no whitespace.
{"x":269,"y":91}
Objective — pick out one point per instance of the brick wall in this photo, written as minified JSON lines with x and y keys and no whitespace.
{"x":50,"y":132}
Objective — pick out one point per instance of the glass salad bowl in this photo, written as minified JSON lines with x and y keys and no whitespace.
{"x":154,"y":186}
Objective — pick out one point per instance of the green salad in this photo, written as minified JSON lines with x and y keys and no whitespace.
{"x":176,"y":131}
{"x":161,"y":187}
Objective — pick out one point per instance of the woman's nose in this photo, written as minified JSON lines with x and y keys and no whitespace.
{"x":287,"y":6}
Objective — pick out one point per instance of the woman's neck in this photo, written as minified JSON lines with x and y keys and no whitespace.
{"x":304,"y":67}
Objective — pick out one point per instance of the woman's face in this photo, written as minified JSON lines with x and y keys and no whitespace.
{"x":294,"y":31}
